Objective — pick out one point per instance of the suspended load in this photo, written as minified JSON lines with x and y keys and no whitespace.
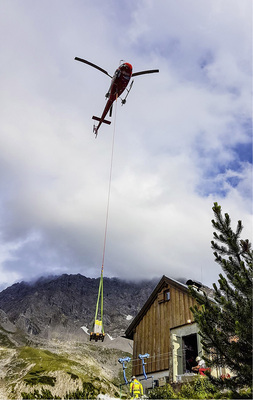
{"x":98,"y":329}
{"x":98,"y":333}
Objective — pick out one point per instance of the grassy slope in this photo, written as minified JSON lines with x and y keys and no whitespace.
{"x":58,"y":367}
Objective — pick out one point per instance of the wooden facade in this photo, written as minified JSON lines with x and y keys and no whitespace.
{"x":168,"y":307}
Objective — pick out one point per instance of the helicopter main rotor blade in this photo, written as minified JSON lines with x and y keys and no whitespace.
{"x":93,"y":65}
{"x":150,"y":71}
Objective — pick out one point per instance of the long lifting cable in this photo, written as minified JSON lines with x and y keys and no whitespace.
{"x":100,"y":291}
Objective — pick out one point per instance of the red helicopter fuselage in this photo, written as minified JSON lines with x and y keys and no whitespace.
{"x":119,"y":83}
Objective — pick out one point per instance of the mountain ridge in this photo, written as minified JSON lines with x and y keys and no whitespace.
{"x":63,"y":304}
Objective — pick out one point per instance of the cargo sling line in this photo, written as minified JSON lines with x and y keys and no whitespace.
{"x":98,"y":331}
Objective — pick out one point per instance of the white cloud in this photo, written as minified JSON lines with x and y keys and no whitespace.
{"x":176,"y":145}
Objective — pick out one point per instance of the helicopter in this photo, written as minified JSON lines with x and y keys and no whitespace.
{"x":119,"y":82}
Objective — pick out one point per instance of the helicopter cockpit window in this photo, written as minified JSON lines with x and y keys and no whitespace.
{"x":117,"y":73}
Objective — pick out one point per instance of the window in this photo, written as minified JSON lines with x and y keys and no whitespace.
{"x":167,"y":295}
{"x":186,"y":346}
{"x":164,"y":295}
{"x":190,"y":352}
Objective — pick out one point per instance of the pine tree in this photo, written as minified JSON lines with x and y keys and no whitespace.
{"x":225,"y":322}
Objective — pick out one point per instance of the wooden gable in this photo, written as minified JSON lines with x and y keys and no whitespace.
{"x":167,"y":307}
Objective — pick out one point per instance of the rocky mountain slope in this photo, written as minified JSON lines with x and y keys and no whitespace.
{"x":63,"y":304}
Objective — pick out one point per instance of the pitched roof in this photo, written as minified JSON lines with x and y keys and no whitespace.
{"x":162,"y":283}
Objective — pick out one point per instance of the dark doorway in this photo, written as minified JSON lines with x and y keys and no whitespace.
{"x":190,"y":352}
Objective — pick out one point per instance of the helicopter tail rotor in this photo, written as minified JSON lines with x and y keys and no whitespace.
{"x":95,"y":130}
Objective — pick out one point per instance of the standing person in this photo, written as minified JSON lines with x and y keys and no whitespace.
{"x":136,"y":389}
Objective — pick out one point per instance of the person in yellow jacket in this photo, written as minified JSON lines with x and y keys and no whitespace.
{"x":136,"y":389}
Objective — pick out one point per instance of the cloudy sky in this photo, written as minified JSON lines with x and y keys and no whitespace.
{"x":182,"y":141}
